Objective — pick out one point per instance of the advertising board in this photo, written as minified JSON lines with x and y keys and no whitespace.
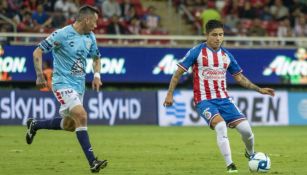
{"x":156,"y":65}
{"x":259,"y":109}
{"x":108,"y":108}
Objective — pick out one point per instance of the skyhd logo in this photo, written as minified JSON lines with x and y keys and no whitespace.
{"x":177,"y":110}
{"x":13,"y":64}
{"x":167,"y":65}
{"x":115,"y":109}
{"x":108,"y":65}
{"x":15,"y":106}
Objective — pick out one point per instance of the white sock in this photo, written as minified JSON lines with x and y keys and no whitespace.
{"x":223,"y":142}
{"x":247,"y":136}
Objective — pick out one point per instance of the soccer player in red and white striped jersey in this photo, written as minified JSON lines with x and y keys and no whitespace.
{"x":210,"y":62}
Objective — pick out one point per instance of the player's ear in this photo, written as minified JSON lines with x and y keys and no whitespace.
{"x":86,"y":20}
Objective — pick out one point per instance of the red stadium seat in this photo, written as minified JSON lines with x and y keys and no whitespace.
{"x":103,"y":22}
{"x":272,"y":28}
{"x":136,"y":2}
{"x":265,"y":24}
{"x":246,"y":23}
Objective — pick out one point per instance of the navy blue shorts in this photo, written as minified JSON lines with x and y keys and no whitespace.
{"x":224,"y":107}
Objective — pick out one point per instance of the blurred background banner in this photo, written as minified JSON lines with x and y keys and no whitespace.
{"x":298,"y":108}
{"x":109,"y":108}
{"x":17,"y":105}
{"x":263,"y":109}
{"x":156,"y":65}
{"x":183,"y":111}
{"x":121,"y":107}
{"x":259,"y":109}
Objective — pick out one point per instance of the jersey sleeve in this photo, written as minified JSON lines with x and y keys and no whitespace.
{"x":187,"y":61}
{"x":52,"y":41}
{"x":94,"y":52}
{"x":233,"y":68}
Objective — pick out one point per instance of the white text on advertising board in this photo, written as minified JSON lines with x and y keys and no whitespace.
{"x":108,"y":65}
{"x":167,"y":65}
{"x":14,"y":107}
{"x":105,"y":108}
{"x":283,"y":65}
{"x":12,"y":64}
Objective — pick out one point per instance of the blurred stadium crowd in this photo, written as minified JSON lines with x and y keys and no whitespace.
{"x":241,"y":17}
{"x":282,"y":18}
{"x":44,"y":16}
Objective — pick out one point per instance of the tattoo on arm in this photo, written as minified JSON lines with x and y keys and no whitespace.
{"x":38,"y":66}
{"x":174,"y":81}
{"x":243,"y":81}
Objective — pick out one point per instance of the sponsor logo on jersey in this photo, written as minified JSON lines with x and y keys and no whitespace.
{"x":215,"y":74}
{"x":78,"y":68}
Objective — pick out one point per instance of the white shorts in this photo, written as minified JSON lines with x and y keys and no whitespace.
{"x":68,"y":99}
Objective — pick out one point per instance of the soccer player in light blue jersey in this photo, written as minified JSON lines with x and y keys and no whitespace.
{"x":70,"y":47}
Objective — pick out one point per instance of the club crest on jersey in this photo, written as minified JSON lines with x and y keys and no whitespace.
{"x":207,"y":114}
{"x":88,"y":44}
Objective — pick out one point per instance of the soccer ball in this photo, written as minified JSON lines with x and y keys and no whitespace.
{"x":259,"y":162}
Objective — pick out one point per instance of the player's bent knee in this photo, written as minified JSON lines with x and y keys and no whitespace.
{"x":217,"y":119}
{"x":69,"y":124}
{"x":82,"y":119}
{"x":71,"y":129}
{"x":221,"y":126}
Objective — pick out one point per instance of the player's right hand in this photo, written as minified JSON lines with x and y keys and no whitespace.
{"x":41,"y":81}
{"x":168,"y":100}
{"x":267,"y":91}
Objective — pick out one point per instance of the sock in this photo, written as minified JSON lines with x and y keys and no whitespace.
{"x":54,"y":124}
{"x":247,"y":136}
{"x":223,"y":142}
{"x":84,"y":141}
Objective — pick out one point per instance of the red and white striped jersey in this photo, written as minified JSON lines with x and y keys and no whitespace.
{"x":209,"y":69}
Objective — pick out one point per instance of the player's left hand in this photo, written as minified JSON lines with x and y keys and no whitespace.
{"x":96,"y":83}
{"x":267,"y":91}
{"x":168,"y":100}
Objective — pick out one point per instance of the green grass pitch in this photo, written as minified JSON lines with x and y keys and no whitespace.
{"x":148,"y":150}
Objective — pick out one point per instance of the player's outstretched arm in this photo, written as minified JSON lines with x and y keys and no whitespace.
{"x":96,"y":83}
{"x":245,"y":82}
{"x":37,"y":59}
{"x":174,"y":81}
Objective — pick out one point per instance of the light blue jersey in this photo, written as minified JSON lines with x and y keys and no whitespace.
{"x":70,"y":51}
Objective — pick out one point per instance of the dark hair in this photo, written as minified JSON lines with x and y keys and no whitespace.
{"x":213,"y":24}
{"x":86,"y":10}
